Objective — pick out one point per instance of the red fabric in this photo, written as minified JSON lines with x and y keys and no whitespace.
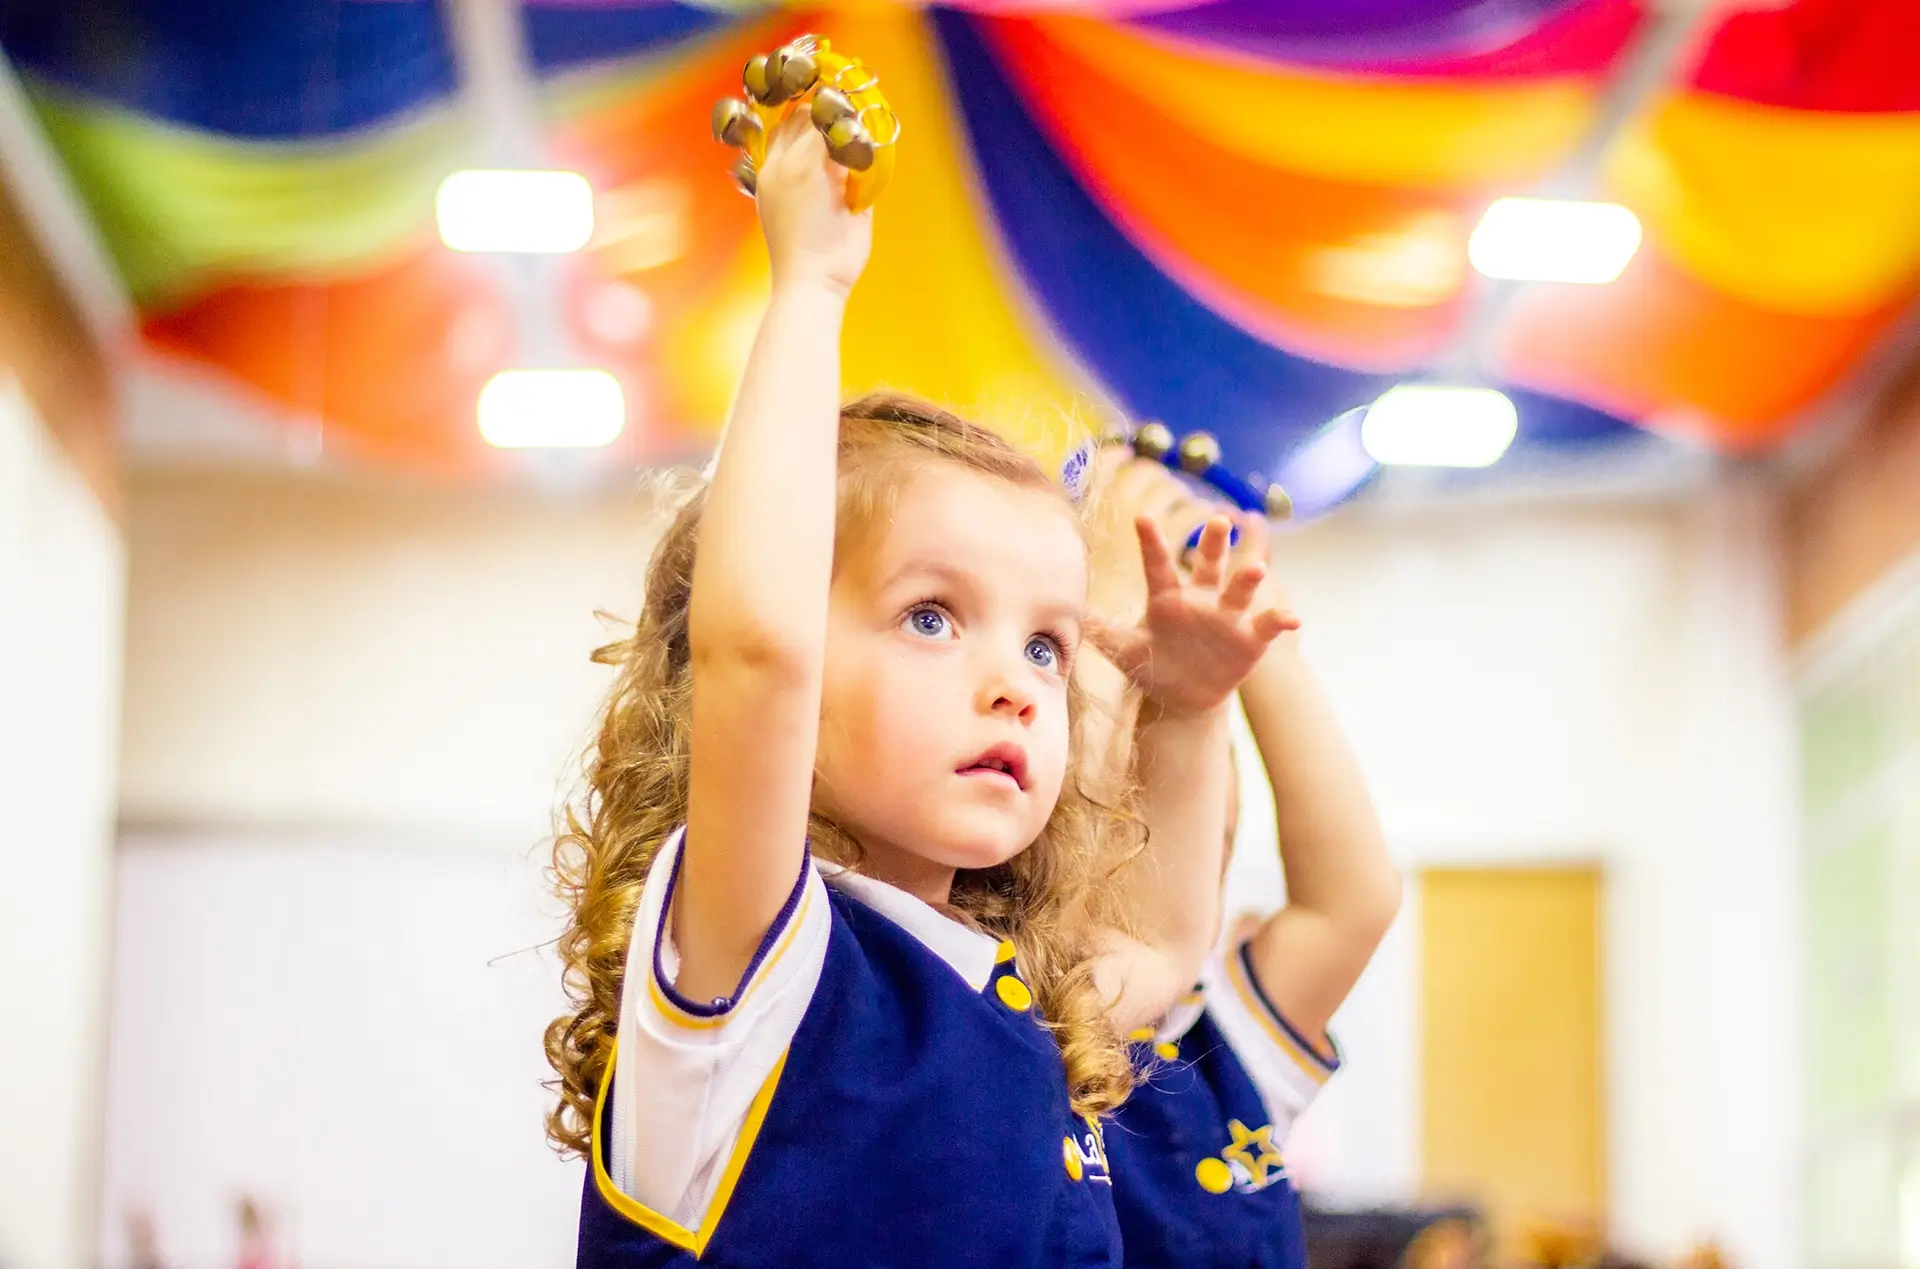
{"x":1836,"y":55}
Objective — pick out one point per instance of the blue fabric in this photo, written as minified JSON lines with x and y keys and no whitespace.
{"x":561,"y":38}
{"x":1178,"y":1116}
{"x":1549,"y":422}
{"x":261,"y":69}
{"x":1162,"y":353}
{"x":917,"y":1122}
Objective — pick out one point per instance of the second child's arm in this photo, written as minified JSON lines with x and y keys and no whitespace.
{"x":1200,"y":635}
{"x":764,"y":563}
{"x":1342,"y":888}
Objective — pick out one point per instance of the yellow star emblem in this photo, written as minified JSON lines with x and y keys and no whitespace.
{"x":1253,"y":1150}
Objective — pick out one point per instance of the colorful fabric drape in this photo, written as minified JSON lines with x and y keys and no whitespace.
{"x":1242,"y":215}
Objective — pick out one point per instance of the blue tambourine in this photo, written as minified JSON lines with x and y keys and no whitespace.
{"x":1198,"y":455}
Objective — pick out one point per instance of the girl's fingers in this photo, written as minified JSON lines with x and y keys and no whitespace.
{"x":1156,"y":558}
{"x":1241,"y":587}
{"x":1212,"y":552}
{"x":1269,"y":624}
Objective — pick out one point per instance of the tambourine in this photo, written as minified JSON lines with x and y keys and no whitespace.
{"x":843,"y":99}
{"x":1198,"y":455}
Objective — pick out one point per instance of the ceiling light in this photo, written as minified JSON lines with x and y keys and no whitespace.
{"x":542,"y":212}
{"x":1554,"y":240}
{"x":551,"y":409}
{"x":1437,"y":426}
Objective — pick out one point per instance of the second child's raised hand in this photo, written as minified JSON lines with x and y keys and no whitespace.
{"x":1205,"y":629}
{"x":802,"y":197}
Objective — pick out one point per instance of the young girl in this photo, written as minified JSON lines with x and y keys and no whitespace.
{"x":836,"y":867}
{"x":1199,"y":1179}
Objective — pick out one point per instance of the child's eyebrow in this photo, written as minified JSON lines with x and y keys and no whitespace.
{"x":934,"y":570}
{"x":1065,"y":612}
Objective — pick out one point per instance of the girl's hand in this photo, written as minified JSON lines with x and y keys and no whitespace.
{"x":802,"y":197}
{"x":1204,"y":631}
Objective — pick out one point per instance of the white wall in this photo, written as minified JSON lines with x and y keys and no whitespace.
{"x":346,"y":1027}
{"x":302,"y":655}
{"x":61,"y":577}
{"x":1522,"y":684}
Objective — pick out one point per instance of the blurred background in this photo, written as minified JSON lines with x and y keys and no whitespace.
{"x":1581,"y":332}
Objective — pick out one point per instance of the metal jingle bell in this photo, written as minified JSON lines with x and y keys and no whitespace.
{"x":798,"y":72}
{"x":1279,"y":503}
{"x":1199,"y":451}
{"x":745,"y":176}
{"x":849,"y":145}
{"x":756,"y":80}
{"x":776,"y":74}
{"x":734,"y":122}
{"x":830,"y":106}
{"x":1154,"y":441}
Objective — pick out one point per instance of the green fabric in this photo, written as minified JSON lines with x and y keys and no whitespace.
{"x":182,"y":210}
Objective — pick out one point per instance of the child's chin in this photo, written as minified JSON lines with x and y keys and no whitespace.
{"x":975,"y":853}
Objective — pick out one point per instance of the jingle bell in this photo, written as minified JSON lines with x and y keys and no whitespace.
{"x":1153,"y":440}
{"x":830,"y":106}
{"x":745,"y":176}
{"x":756,"y":80}
{"x":1199,"y":451}
{"x":849,"y":145}
{"x":797,"y":71}
{"x":1279,"y":503}
{"x":734,"y":122}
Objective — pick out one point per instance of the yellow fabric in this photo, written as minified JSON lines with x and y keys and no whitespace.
{"x":1433,"y":133}
{"x":937,"y":313}
{"x":175,"y":204}
{"x":1791,"y":210}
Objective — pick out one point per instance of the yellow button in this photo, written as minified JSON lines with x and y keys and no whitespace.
{"x":1140,"y":1034}
{"x":1004,"y":952}
{"x":1215,"y":1177}
{"x":1014,"y":994}
{"x":1167,"y":1049}
{"x":1071,"y":1152}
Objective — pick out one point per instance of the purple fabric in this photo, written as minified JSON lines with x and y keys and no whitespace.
{"x":1353,"y":34}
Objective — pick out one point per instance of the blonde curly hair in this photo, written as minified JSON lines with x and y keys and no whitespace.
{"x":1050,"y":899}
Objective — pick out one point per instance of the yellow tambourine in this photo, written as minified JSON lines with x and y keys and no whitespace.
{"x":842,"y":97}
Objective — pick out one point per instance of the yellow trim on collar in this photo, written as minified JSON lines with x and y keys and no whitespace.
{"x":693,"y":1240}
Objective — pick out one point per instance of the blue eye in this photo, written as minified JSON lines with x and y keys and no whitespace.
{"x":928,"y":622}
{"x":1043,"y":652}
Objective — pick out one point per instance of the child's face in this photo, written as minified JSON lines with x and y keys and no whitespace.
{"x":949,"y":642}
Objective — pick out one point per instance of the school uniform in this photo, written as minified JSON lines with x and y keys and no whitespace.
{"x":1199,"y":1178}
{"x":877,"y":1092}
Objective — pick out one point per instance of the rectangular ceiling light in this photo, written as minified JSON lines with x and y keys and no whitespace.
{"x":1421,"y":425}
{"x":552,"y":409}
{"x":547,"y":213}
{"x":1554,"y":240}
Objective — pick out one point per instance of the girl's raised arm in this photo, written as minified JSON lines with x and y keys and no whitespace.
{"x":758,"y":620}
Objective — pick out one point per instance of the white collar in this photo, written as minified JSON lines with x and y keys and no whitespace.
{"x":970,"y":953}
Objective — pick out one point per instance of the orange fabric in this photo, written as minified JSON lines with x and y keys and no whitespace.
{"x":351,"y":352}
{"x":1660,"y":346}
{"x":668,"y":218}
{"x":1367,"y":276}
